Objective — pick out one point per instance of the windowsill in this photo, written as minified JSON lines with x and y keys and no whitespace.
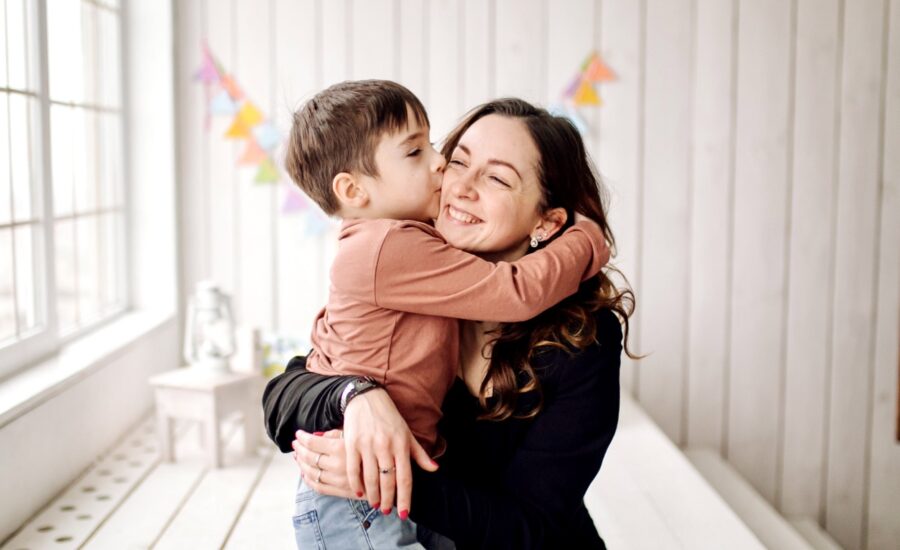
{"x":25,"y":391}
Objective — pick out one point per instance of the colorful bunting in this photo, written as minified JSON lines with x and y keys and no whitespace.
{"x":231,"y":86}
{"x":221,"y":104}
{"x":580,"y":91}
{"x":253,"y":153}
{"x":293,"y":201}
{"x":250,"y":115}
{"x":267,"y":172}
{"x":237,"y":130}
{"x":267,"y":136}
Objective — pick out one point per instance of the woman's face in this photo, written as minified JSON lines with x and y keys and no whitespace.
{"x":491,"y":190}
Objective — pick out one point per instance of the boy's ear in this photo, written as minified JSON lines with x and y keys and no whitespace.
{"x":349,"y":191}
{"x":551,"y":222}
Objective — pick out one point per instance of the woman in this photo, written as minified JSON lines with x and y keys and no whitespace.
{"x":536,"y":403}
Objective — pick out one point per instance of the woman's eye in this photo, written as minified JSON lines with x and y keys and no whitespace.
{"x":457,"y":162}
{"x":498,"y":180}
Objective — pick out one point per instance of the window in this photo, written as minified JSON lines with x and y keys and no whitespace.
{"x":62,"y":199}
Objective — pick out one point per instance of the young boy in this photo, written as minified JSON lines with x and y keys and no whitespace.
{"x":361,"y":150}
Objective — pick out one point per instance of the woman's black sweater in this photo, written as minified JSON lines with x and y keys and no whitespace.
{"x":509,"y":484}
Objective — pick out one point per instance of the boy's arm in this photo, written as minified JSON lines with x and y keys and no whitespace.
{"x":419,"y":273}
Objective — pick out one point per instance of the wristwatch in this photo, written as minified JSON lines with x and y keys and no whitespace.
{"x":355,"y":387}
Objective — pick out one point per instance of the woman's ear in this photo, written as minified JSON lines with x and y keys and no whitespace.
{"x":551,"y":222}
{"x":349,"y":191}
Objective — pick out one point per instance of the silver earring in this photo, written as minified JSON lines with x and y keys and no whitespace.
{"x":536,"y":240}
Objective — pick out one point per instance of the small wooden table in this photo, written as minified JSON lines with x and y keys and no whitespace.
{"x":207,"y":397}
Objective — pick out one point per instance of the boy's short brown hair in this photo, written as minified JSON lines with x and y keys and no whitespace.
{"x":338,"y":131}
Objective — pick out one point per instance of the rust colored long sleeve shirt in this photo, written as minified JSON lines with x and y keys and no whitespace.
{"x":398,"y":290}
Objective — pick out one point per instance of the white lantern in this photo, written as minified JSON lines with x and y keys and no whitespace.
{"x":209,"y":329}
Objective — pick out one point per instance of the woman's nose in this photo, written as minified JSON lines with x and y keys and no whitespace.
{"x":462,"y":186}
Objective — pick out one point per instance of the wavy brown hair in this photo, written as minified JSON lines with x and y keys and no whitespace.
{"x":568,"y":180}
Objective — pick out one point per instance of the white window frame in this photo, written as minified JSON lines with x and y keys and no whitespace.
{"x":46,"y":340}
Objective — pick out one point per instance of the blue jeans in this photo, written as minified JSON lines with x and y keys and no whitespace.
{"x":324,"y":522}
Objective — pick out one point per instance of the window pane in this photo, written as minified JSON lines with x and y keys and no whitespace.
{"x":17,"y":35}
{"x":7,"y":303}
{"x":25,"y":277}
{"x":88,"y":147}
{"x":66,"y":290}
{"x":3,"y":43}
{"x":20,"y":116}
{"x":90,"y":47}
{"x":110,"y":160}
{"x":66,"y":58}
{"x":63,"y":134}
{"x":110,"y":292}
{"x":88,"y":269}
{"x":79,"y":158}
{"x":5,"y":214}
{"x":109,"y":61}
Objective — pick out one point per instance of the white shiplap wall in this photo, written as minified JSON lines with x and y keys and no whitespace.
{"x":753,"y":154}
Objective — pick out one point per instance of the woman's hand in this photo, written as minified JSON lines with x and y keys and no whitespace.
{"x":377,"y":440}
{"x":322,"y":461}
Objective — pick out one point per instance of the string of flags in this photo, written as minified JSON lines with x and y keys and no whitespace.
{"x":581,"y":91}
{"x":258,"y":133}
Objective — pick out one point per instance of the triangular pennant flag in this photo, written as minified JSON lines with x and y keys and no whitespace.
{"x":267,"y":172}
{"x":587,"y":61}
{"x":250,"y":115}
{"x":293,"y":202}
{"x":221,"y":104}
{"x":253,"y":153}
{"x":573,"y":86}
{"x":586,"y":95}
{"x":208,"y":73}
{"x":231,"y":86}
{"x":237,"y":129}
{"x":267,"y":136}
{"x":598,"y":71}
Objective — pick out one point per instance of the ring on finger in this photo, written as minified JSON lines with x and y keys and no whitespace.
{"x":317,"y":460}
{"x":386,"y":471}
{"x":319,"y":477}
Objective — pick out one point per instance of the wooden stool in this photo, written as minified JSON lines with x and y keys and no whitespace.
{"x":208,"y":398}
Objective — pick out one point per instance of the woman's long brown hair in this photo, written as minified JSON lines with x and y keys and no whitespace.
{"x":568,"y":180}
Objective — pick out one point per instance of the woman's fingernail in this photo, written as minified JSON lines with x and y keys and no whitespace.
{"x":433,"y":463}
{"x":377,"y":504}
{"x":404,"y":514}
{"x":318,"y":433}
{"x":386,"y":511}
{"x":359,"y":493}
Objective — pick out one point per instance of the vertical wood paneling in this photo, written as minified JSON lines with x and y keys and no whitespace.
{"x":256,"y":238}
{"x":373,"y":40}
{"x":666,"y":211}
{"x":301,"y":291}
{"x":519,"y":49}
{"x":882,"y":527}
{"x":413,"y":48}
{"x":570,"y":36}
{"x":221,"y":185}
{"x":194,"y":254}
{"x":760,"y":222}
{"x":444,"y":74}
{"x":477,"y":51}
{"x":619,"y":151}
{"x":810,"y":284}
{"x":854,"y":296}
{"x":711,"y":160}
{"x":336,"y":41}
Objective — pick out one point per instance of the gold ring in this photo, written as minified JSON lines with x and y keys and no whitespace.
{"x":319,"y":477}
{"x":317,"y":460}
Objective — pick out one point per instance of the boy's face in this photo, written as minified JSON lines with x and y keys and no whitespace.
{"x":408,"y":185}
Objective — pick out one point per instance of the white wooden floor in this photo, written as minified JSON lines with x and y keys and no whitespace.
{"x":647,"y":496}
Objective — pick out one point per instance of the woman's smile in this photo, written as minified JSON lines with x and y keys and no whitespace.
{"x":461,"y":216}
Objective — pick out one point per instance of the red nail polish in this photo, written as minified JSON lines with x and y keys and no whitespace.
{"x":404,"y":514}
{"x":318,"y":433}
{"x":386,"y":511}
{"x":359,"y":493}
{"x":376,"y":505}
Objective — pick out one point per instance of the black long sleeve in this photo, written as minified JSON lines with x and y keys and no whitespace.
{"x":298,"y":399}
